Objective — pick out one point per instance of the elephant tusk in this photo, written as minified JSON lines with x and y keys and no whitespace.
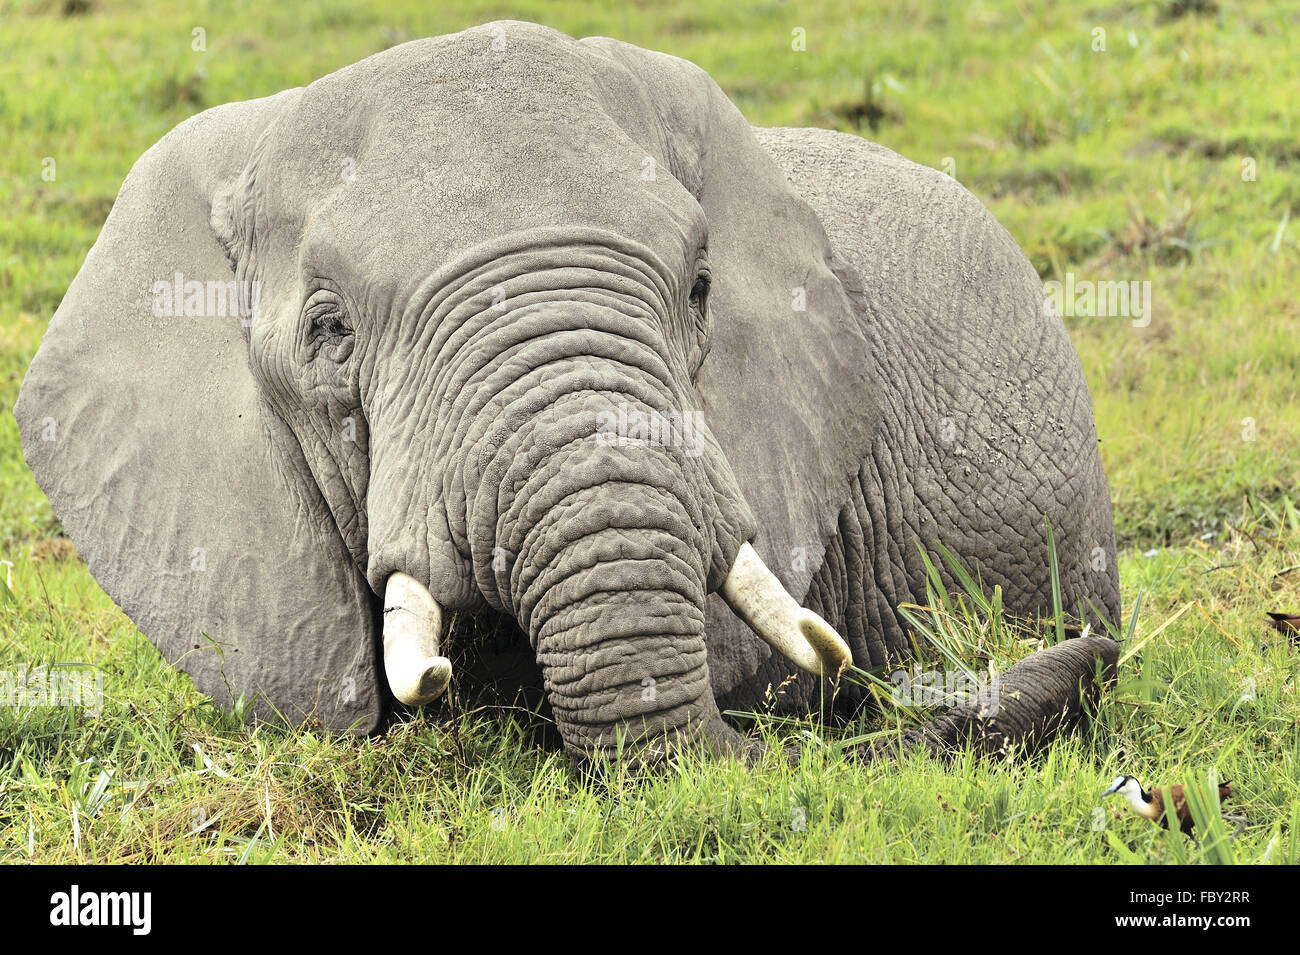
{"x":758,"y":598}
{"x":412,"y":624}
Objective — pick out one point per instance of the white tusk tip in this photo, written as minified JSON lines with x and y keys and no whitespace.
{"x":417,"y":673}
{"x":424,"y":681}
{"x":832,"y":652}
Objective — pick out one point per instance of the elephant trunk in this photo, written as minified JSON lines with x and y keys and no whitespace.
{"x":608,"y":553}
{"x":602,"y":552}
{"x":619,"y":632}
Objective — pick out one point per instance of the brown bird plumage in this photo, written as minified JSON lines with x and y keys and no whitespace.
{"x":1151,"y":805}
{"x":1288,"y":623}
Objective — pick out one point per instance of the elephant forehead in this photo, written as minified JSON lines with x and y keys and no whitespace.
{"x":490,"y":84}
{"x":432,"y":206}
{"x":442,"y":144}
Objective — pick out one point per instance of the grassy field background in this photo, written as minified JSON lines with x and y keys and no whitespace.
{"x":1171,"y":156}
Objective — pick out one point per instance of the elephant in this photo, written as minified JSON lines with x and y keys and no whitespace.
{"x":509,"y":322}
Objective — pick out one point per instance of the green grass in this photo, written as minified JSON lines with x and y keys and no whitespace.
{"x":1122,"y":164}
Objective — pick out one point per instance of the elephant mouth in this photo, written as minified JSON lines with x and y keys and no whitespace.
{"x":417,"y":673}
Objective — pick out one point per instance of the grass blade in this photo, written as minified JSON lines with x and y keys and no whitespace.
{"x":1054,"y":568}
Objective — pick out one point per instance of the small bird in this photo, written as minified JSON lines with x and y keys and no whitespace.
{"x":1151,"y":805}
{"x":1288,"y":623}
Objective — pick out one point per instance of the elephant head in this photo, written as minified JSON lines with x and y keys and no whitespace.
{"x":458,"y":325}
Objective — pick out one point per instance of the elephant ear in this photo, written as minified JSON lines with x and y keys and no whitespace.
{"x":186,"y":496}
{"x":785,"y":386}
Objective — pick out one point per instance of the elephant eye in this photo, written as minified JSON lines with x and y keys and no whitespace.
{"x":328,"y":328}
{"x":699,"y":292}
{"x":326,"y":317}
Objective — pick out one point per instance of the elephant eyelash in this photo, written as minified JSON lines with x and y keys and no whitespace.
{"x":330,"y":327}
{"x":699,"y":347}
{"x":700,"y":292}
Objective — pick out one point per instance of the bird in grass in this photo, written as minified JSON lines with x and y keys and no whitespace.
{"x":1287,"y":623}
{"x":1151,"y":805}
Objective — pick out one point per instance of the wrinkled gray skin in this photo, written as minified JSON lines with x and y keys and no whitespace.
{"x":468,"y":249}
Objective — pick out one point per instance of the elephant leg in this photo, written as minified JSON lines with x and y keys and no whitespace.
{"x":1024,"y":708}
